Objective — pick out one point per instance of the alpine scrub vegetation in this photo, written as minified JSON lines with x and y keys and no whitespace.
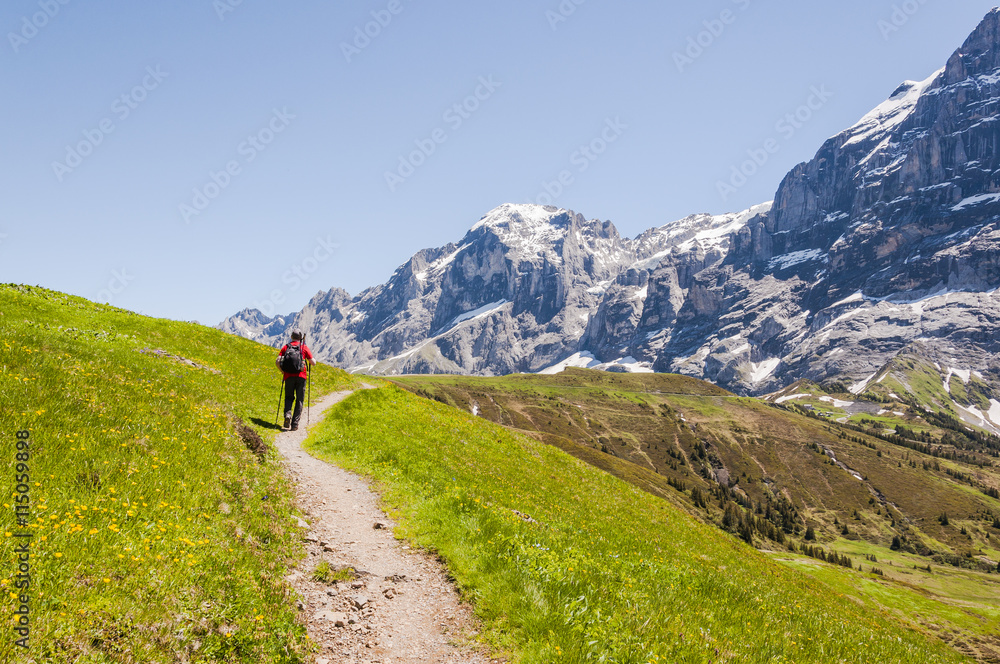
{"x":156,"y":533}
{"x":565,"y":563}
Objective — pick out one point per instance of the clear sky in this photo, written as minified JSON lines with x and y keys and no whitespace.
{"x":189,"y":159}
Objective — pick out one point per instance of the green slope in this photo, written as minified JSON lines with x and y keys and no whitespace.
{"x":763,"y":471}
{"x":156,"y":534}
{"x":665,"y":433}
{"x":566,"y":563}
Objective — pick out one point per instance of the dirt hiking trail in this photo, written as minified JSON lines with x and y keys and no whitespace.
{"x":400,"y":607}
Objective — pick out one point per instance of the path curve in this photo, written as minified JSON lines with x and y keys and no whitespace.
{"x":402,"y":608}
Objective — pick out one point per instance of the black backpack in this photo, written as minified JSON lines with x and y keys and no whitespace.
{"x":292,"y":361}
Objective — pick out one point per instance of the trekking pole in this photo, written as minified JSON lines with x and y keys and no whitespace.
{"x":309,"y":386}
{"x":281,"y":393}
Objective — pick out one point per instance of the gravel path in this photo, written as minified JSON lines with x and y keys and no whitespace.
{"x":401,"y":607}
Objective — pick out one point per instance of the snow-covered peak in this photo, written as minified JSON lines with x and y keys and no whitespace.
{"x":699,"y":230}
{"x":526,"y":218}
{"x":529,"y":231}
{"x":891,"y":113}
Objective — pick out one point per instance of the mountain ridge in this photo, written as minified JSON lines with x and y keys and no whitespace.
{"x":885,"y":238}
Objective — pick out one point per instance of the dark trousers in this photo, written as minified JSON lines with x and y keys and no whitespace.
{"x":295,"y":390}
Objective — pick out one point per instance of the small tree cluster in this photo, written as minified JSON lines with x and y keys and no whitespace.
{"x":833,"y":557}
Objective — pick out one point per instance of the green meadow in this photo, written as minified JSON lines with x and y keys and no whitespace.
{"x":156,"y":533}
{"x":565,"y":563}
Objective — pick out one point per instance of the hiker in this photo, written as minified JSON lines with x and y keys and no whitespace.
{"x":291,"y":360}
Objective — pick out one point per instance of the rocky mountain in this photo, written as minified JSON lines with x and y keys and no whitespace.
{"x":527,"y":288}
{"x":887,"y":238}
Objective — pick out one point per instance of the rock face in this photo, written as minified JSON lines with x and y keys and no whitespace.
{"x":526,"y":288}
{"x":888,"y":237}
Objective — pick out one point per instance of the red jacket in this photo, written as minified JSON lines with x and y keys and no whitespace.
{"x":306,"y":354}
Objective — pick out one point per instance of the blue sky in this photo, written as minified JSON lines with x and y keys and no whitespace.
{"x":190,"y":159}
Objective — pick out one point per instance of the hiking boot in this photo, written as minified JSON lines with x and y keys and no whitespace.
{"x":295,"y":427}
{"x":288,"y":423}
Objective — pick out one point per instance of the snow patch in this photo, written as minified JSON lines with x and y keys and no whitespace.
{"x":633,"y":365}
{"x":837,"y":403}
{"x":584,"y":360}
{"x":964,"y":374}
{"x":994,"y":413}
{"x":476,"y":313}
{"x":441,"y":263}
{"x":700,"y":230}
{"x":976,"y":200}
{"x":535,"y":215}
{"x":857,"y":297}
{"x":600,"y":289}
{"x":891,"y":113}
{"x":760,"y":371}
{"x":980,"y":419}
{"x":795,"y":258}
{"x":791,"y":397}
{"x":859,"y":387}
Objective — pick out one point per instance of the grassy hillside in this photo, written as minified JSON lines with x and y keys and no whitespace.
{"x":156,"y":534}
{"x":674,"y":436}
{"x":566,"y":563}
{"x":816,"y":475}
